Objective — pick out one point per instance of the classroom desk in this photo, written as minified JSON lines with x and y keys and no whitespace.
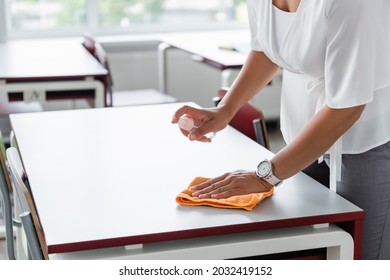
{"x":206,"y":48}
{"x":40,"y":70}
{"x":114,"y":181}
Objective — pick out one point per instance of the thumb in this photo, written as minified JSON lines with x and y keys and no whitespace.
{"x":202,"y":131}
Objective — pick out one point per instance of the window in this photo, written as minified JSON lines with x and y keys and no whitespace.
{"x":53,"y":17}
{"x":29,"y":15}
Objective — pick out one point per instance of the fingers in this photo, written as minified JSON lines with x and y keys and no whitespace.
{"x":230,"y":184}
{"x":185,"y":110}
{"x":210,"y":187}
{"x":222,"y":189}
{"x":203,"y":139}
{"x":225,"y":193}
{"x":208,"y":183}
{"x":200,"y":133}
{"x":202,"y":123}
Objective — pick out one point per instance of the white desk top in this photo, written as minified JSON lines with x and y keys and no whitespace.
{"x":40,"y":59}
{"x":207,"y":45}
{"x":109,"y":177}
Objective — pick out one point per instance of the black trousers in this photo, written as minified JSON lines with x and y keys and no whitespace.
{"x":319,"y":172}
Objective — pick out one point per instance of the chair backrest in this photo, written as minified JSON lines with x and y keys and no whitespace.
{"x":4,"y":163}
{"x":6,"y":188}
{"x":89,"y":43}
{"x":248,"y":120}
{"x":27,"y":205}
{"x":95,"y":48}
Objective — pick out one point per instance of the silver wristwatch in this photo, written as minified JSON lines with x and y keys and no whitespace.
{"x":264,"y":171}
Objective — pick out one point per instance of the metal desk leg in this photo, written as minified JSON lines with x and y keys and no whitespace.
{"x":34,"y":250}
{"x":162,"y":66}
{"x":339,"y":245}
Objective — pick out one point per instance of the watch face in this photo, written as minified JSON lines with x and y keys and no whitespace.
{"x":264,"y":169}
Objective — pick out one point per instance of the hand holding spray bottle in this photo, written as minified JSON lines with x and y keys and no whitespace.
{"x":187,"y":123}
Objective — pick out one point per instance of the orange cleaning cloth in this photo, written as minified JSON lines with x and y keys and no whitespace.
{"x":247,"y":201}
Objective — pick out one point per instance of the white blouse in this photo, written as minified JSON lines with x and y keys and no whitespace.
{"x":333,"y":52}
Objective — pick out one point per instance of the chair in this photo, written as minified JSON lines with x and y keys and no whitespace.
{"x":248,"y":120}
{"x":123,"y":98}
{"x":6,"y":189}
{"x":36,"y":245}
{"x":7,"y":108}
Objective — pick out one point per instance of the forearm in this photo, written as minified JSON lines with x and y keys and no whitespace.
{"x":256,"y":73}
{"x":314,"y":140}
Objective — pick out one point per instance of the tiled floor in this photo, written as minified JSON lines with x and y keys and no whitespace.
{"x":276,"y":143}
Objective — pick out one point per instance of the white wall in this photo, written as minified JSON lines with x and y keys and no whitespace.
{"x":134,"y":69}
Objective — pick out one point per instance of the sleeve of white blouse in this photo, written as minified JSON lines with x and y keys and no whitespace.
{"x":349,"y":63}
{"x":252,"y":7}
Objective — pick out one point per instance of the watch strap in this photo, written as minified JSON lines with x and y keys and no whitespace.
{"x":273,"y":180}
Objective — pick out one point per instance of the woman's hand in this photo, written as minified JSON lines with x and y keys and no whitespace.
{"x":233,"y":183}
{"x":206,"y":120}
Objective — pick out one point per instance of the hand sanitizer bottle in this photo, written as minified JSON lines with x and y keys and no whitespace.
{"x":188,"y":124}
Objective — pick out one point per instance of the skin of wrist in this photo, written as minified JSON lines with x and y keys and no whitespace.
{"x":275,"y":170}
{"x":226,"y":111}
{"x":263,"y":183}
